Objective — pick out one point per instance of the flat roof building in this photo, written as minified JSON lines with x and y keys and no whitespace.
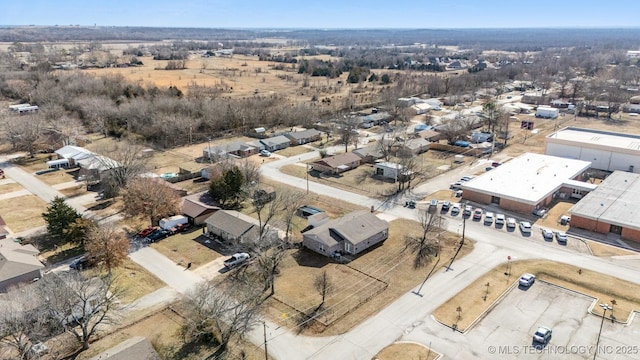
{"x":528,"y":182}
{"x":612,"y":207}
{"x":605,"y":150}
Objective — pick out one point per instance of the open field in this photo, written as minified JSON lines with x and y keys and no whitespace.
{"x":604,"y":250}
{"x":181,"y":248}
{"x":132,"y":279}
{"x":24,"y":212}
{"x":375,"y":279}
{"x":406,"y":351}
{"x":9,"y":187}
{"x":477,"y":297}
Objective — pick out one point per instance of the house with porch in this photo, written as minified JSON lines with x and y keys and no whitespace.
{"x":276,"y":143}
{"x":303,"y":137}
{"x":337,"y":164}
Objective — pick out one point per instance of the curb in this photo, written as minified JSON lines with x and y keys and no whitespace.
{"x":438,"y":355}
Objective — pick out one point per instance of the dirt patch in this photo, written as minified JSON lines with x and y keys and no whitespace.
{"x":408,"y":351}
{"x":182,"y":248}
{"x":604,"y":250}
{"x":24,"y":212}
{"x":388,"y":265}
{"x":462,"y":309}
{"x":552,"y":218}
{"x":136,"y":281}
{"x":10,"y":187}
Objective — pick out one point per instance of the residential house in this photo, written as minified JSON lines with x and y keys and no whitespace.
{"x":412,"y":147}
{"x":337,"y":164}
{"x":74,"y":154}
{"x":96,"y":167}
{"x":234,"y":227}
{"x":197,"y":212}
{"x":389,"y":170}
{"x":350,"y":234}
{"x":303,"y":137}
{"x":234,"y":149}
{"x":429,"y":135}
{"x":18,"y":263}
{"x":256,"y":144}
{"x":177,"y":189}
{"x":276,"y":143}
{"x":378,"y":118}
{"x":370,"y":153}
{"x":137,"y":347}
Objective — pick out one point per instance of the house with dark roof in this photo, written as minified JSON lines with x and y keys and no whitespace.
{"x":197,"y":212}
{"x":412,"y":147}
{"x":429,"y":135}
{"x":337,"y":164}
{"x":276,"y":143}
{"x":18,"y":263}
{"x":370,"y":153}
{"x":303,"y":137}
{"x":233,"y":149}
{"x":234,"y":227}
{"x":350,"y":234}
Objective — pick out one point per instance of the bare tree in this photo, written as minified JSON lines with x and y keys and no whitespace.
{"x":427,"y":243}
{"x":348,"y":131}
{"x":266,"y":207}
{"x":323,"y":284}
{"x":107,"y":245}
{"x":151,"y":198}
{"x":24,"y":132}
{"x":221,"y":313}
{"x":270,"y":251}
{"x":79,"y":304}
{"x":123,"y":162}
{"x":23,"y":321}
{"x":291,"y":201}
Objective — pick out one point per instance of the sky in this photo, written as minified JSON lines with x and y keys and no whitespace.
{"x":325,"y":14}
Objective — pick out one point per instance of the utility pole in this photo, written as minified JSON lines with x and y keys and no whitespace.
{"x":307,"y":178}
{"x":604,"y":307}
{"x":266,"y":353}
{"x":464,"y":222}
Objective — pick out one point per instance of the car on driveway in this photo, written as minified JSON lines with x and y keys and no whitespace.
{"x":477,"y":214}
{"x":488,"y":218}
{"x":511,"y":222}
{"x":144,"y":233}
{"x":500,"y":219}
{"x":159,"y":234}
{"x":527,"y":280}
{"x":561,"y":237}
{"x":542,"y":335}
{"x":80,"y":263}
{"x":265,"y":153}
{"x":547,"y":234}
{"x":525,"y":227}
{"x":236,"y":260}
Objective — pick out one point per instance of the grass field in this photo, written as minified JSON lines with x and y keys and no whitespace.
{"x":604,"y":250}
{"x":600,"y":286}
{"x":406,"y":351}
{"x":24,"y":212}
{"x":10,"y":187}
{"x":181,"y":248}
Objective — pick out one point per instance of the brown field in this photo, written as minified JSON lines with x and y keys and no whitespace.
{"x":604,"y":250}
{"x":132,"y":279}
{"x":597,"y":285}
{"x":182,"y":248}
{"x":24,"y":212}
{"x":406,"y":351}
{"x":384,"y":273}
{"x":10,"y":187}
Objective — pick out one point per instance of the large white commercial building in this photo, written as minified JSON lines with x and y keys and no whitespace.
{"x":605,"y":150}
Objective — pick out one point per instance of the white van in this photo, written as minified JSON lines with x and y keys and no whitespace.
{"x":525,"y":227}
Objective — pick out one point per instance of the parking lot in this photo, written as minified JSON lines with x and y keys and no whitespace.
{"x":506,"y":332}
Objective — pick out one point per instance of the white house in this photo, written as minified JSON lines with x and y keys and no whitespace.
{"x":389,"y":170}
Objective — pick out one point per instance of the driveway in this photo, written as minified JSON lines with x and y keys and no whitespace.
{"x":174,"y":275}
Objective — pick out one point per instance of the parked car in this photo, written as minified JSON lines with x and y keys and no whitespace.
{"x":511,"y":222}
{"x":158,"y":234}
{"x":525,"y":227}
{"x":467,"y":178}
{"x":455,"y":209}
{"x":236,"y":260}
{"x":446,"y":205}
{"x":433,"y":206}
{"x":542,"y":335}
{"x":477,"y":214}
{"x":456,"y":185}
{"x":265,"y":153}
{"x":144,"y":233}
{"x":547,"y":234}
{"x":305,"y":211}
{"x":500,"y":219}
{"x":539,"y":212}
{"x":488,"y":218}
{"x":80,"y":263}
{"x":467,"y":210}
{"x":561,"y":237}
{"x":527,"y":280}
{"x":180,"y":228}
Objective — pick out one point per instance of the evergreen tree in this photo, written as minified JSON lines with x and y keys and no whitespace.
{"x":59,"y":216}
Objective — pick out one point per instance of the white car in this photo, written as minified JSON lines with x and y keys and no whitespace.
{"x":525,"y":227}
{"x":527,"y":280}
{"x":561,"y":237}
{"x":265,"y":153}
{"x":511,"y":222}
{"x":488,"y":218}
{"x":500,"y":219}
{"x":455,"y":209}
{"x":547,"y":234}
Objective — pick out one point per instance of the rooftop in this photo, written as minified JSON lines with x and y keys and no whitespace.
{"x":597,"y":139}
{"x":613,"y":202}
{"x":529,"y":178}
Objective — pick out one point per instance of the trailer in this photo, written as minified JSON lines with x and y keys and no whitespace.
{"x":547,"y":112}
{"x":173,"y":221}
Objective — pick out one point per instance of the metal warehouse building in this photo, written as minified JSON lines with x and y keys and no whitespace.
{"x":612,"y":208}
{"x":528,"y":182}
{"x":605,"y":150}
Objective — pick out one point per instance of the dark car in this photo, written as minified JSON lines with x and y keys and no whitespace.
{"x":306,"y":211}
{"x":159,"y":234}
{"x":80,"y":263}
{"x":180,"y":228}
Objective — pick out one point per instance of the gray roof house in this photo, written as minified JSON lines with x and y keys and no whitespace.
{"x":137,"y":347}
{"x":74,"y":154}
{"x":303,"y":137}
{"x":412,"y":147}
{"x":350,"y":234}
{"x":276,"y":143}
{"x":234,"y":227}
{"x":370,"y":153}
{"x":232,"y":149}
{"x":18,"y":263}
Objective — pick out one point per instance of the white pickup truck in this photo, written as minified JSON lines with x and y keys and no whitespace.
{"x":236,"y":260}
